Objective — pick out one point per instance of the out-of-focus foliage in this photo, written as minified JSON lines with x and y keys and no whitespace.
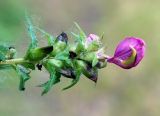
{"x":119,"y":92}
{"x":11,"y":17}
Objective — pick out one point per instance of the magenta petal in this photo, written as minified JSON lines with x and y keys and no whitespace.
{"x":124,"y":52}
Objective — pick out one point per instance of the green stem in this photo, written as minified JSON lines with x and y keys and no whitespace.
{"x":14,"y":61}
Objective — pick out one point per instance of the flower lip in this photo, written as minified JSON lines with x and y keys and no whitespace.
{"x":128,"y":53}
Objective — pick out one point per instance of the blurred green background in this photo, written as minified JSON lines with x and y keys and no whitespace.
{"x":119,"y":92}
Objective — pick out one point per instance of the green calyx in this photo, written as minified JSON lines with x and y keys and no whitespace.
{"x":94,"y":46}
{"x":38,"y":54}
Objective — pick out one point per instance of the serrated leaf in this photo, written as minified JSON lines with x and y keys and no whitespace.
{"x":24,"y":76}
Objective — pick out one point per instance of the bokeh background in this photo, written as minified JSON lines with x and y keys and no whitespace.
{"x":119,"y":92}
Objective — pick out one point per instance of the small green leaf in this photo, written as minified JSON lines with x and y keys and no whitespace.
{"x":54,"y":78}
{"x":24,"y":76}
{"x":47,"y":86}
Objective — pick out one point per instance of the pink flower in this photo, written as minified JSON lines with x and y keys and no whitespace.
{"x":128,"y":53}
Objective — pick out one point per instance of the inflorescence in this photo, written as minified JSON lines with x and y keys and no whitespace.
{"x":60,"y":58}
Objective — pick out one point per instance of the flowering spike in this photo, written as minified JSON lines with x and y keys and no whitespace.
{"x":60,"y":58}
{"x":129,"y":53}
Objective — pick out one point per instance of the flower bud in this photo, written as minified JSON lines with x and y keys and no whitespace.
{"x":63,"y":37}
{"x":92,"y":42}
{"x":12,"y":52}
{"x":60,"y":44}
{"x":128,"y":53}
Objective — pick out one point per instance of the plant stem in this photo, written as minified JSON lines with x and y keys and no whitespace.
{"x":14,"y":61}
